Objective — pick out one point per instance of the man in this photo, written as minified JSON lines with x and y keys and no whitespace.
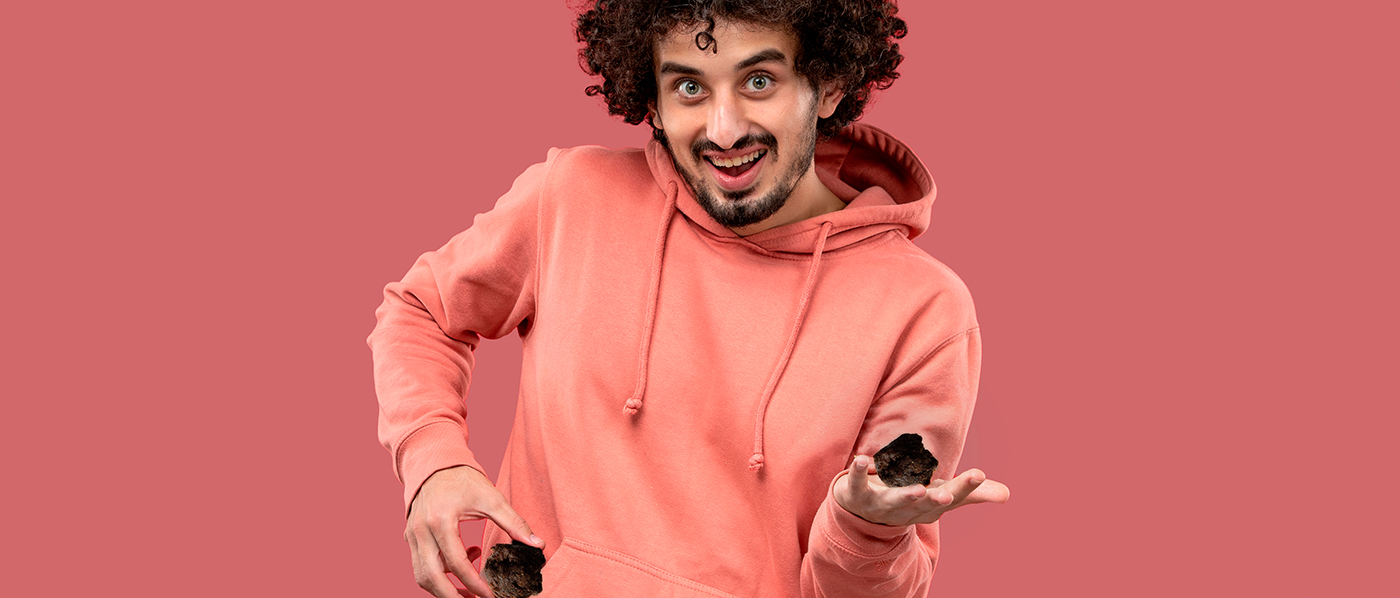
{"x":719,"y":330}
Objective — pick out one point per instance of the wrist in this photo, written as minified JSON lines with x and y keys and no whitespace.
{"x":850,"y":529}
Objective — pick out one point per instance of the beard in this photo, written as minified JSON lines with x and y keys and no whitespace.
{"x":742,"y":208}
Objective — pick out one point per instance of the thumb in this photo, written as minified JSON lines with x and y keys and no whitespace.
{"x":859,"y":477}
{"x":514,"y":525}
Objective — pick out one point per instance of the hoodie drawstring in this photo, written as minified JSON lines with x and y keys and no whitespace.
{"x":756,"y":461}
{"x":634,"y":403}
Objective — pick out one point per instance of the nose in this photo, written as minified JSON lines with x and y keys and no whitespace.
{"x":727,"y":121}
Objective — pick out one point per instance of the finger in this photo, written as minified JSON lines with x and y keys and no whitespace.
{"x":457,"y":558}
{"x":962,"y":486}
{"x":476,"y":586}
{"x":990,"y":491}
{"x":473,"y":579}
{"x":429,"y":572}
{"x":913,"y":493}
{"x":513,"y":524}
{"x":417,"y":561}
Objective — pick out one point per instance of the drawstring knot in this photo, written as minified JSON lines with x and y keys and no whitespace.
{"x":756,"y":462}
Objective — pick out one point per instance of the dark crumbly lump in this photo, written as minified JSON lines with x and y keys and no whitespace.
{"x":513,"y":570}
{"x":905,"y":462}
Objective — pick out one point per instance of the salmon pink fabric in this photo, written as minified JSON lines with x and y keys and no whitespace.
{"x":688,"y":396}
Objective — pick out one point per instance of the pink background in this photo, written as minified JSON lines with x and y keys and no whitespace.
{"x":1179,"y":221}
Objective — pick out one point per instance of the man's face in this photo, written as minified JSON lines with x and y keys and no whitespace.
{"x":740,"y":122}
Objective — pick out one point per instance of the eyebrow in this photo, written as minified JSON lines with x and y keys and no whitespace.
{"x":769,"y":55}
{"x":680,"y":69}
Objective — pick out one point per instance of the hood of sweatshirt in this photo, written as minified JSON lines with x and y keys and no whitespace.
{"x":885,"y":188}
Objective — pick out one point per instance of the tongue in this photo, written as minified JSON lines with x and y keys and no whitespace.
{"x":737,"y":170}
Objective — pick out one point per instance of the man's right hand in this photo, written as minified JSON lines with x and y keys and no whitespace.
{"x":447,"y":498}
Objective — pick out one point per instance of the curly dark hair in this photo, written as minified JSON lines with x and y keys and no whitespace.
{"x":850,"y":42}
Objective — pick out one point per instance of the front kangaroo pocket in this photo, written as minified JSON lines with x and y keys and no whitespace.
{"x":582,"y":570}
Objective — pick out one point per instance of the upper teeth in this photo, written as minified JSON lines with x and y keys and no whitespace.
{"x":732,"y":162}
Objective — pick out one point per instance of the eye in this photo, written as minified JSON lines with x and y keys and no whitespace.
{"x":689,"y":89}
{"x":759,"y":82}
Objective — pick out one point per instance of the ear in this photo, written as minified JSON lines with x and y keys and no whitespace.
{"x":653,"y":116}
{"x":829,"y":98}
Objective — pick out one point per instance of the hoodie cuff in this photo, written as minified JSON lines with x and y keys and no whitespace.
{"x":430,"y":449}
{"x":856,"y":535}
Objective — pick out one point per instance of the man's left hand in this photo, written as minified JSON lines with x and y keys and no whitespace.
{"x":865,"y":496}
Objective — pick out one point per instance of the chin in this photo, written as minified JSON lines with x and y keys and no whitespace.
{"x":750,"y":207}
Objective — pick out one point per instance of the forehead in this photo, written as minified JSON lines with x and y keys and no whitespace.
{"x":735,"y":42}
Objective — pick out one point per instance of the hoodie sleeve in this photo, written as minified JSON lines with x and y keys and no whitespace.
{"x":480,"y":284}
{"x":848,"y":556}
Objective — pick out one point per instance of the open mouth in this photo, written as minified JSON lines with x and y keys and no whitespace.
{"x":736,"y":167}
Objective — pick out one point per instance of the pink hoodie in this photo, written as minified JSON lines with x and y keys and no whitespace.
{"x":689,"y":397}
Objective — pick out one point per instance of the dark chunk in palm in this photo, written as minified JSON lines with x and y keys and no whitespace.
{"x":905,"y":462}
{"x":513,"y":570}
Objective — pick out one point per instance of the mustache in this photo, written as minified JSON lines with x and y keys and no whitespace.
{"x":705,"y":145}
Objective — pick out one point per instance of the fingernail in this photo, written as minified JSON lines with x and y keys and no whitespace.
{"x":535,"y":539}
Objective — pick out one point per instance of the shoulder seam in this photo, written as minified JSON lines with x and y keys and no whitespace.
{"x":928,"y":356}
